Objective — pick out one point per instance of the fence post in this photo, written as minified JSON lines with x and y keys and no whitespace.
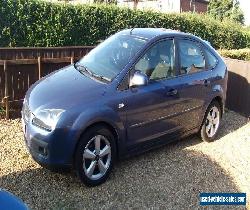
{"x":39,"y":67}
{"x":72,"y":58}
{"x":6,"y":92}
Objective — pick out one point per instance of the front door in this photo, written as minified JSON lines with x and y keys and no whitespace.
{"x":148,"y":112}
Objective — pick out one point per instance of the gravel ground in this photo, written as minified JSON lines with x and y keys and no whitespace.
{"x":167,"y":178}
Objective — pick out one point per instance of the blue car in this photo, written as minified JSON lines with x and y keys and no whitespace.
{"x":9,"y":201}
{"x":139,"y":89}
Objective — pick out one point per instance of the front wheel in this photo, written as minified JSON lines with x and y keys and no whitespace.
{"x":211,"y":122}
{"x":95,"y":156}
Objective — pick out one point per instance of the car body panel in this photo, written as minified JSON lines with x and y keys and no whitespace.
{"x":10,"y":201}
{"x":146,"y":116}
{"x":64,"y":89}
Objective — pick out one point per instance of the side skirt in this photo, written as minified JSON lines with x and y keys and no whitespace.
{"x":156,"y":143}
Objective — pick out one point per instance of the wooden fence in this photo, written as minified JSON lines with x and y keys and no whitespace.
{"x":21,"y":67}
{"x":238,"y":86}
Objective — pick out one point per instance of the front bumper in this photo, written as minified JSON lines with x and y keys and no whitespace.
{"x":49,"y":149}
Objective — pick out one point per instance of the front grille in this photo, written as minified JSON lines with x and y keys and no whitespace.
{"x":26,"y":111}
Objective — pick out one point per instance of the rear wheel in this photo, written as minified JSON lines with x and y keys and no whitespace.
{"x":95,"y":156}
{"x":211,"y":122}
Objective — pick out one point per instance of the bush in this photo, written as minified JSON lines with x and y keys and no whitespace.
{"x":38,"y":23}
{"x":241,"y":54}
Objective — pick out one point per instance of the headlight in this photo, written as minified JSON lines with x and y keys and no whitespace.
{"x":47,"y":118}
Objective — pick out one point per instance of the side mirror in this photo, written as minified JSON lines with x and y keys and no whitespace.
{"x":138,"y":79}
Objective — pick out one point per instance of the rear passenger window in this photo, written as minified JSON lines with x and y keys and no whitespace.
{"x":191,"y":57}
{"x":211,"y":59}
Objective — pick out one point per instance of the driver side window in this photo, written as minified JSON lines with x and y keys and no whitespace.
{"x":158,"y":62}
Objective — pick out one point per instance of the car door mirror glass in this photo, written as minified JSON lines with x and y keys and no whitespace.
{"x":138,"y":79}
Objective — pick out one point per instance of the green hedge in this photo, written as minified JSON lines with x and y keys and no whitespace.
{"x":241,"y":54}
{"x":37,"y":23}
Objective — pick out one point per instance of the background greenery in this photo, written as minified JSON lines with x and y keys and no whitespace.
{"x":226,"y":10}
{"x":241,"y":54}
{"x":37,"y":23}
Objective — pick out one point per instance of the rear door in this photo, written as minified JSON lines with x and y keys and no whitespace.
{"x":192,"y":83}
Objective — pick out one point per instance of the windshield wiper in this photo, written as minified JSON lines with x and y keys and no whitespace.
{"x":83,"y":68}
{"x":101,"y":77}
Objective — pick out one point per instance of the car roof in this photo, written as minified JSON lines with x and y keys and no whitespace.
{"x":149,"y":33}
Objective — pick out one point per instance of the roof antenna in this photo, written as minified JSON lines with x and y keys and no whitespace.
{"x":131,"y":31}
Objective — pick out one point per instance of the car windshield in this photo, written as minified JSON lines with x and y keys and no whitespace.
{"x":112,"y":55}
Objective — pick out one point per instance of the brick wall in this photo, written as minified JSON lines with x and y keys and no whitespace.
{"x":199,"y":6}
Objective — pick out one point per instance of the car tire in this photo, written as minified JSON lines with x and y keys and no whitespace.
{"x":93,"y":160}
{"x":211,"y":123}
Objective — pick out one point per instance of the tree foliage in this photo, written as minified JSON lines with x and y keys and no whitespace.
{"x":226,"y":9}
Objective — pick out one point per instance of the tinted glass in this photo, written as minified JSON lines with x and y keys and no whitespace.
{"x":191,"y":57}
{"x":158,"y":61}
{"x":111,"y":56}
{"x":211,"y":59}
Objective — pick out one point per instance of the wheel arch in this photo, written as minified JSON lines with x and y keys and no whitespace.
{"x":103,"y":123}
{"x":218,"y":99}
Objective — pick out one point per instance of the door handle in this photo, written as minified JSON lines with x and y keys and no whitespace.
{"x":206,"y":82}
{"x":172,"y":92}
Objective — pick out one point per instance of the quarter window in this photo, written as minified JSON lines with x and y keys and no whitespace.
{"x":191,"y":57}
{"x":211,"y":59}
{"x":158,"y":62}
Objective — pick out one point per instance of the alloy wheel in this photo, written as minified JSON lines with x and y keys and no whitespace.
{"x":97,"y":157}
{"x":212,"y":121}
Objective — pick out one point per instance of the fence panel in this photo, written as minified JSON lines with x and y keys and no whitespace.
{"x":47,"y":68}
{"x":43,"y":52}
{"x":238,"y":88}
{"x":2,"y":82}
{"x":20,"y":78}
{"x":26,"y":65}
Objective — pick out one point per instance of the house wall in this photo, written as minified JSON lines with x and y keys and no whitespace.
{"x":193,"y":6}
{"x":156,"y":5}
{"x":167,"y":6}
{"x":201,"y":7}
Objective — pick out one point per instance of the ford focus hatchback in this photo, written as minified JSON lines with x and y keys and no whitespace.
{"x":139,"y":89}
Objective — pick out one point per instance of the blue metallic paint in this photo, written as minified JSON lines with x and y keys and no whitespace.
{"x":153,"y":114}
{"x":9,"y":201}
